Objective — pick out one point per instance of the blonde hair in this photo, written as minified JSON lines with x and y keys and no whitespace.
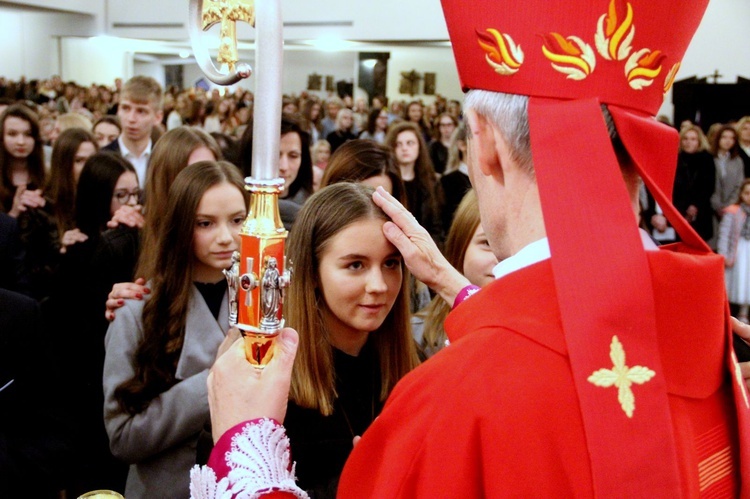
{"x":742,"y":121}
{"x":323,"y":216}
{"x":143,"y":90}
{"x":319,"y":146}
{"x":702,"y":141}
{"x":455,"y":155}
{"x":340,"y":117}
{"x":73,"y":120}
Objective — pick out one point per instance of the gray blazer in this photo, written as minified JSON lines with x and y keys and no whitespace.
{"x":727,"y":189}
{"x":160,"y":441}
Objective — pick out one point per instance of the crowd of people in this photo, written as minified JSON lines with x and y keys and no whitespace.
{"x":95,"y":182}
{"x":120,"y":206}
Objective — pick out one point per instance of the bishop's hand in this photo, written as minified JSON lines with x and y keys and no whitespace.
{"x":238,"y":391}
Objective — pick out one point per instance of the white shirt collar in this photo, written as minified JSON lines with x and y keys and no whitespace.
{"x":538,"y":251}
{"x":464,"y":168}
{"x":529,"y":255}
{"x":127,"y":153}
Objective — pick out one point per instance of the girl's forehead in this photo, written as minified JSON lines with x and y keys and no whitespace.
{"x":16,"y":121}
{"x":364,"y":232}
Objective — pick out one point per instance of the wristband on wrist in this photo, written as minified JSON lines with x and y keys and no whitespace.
{"x":465,"y":293}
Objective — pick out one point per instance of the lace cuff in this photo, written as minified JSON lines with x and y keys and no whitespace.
{"x":259,"y":463}
{"x":464,"y":294}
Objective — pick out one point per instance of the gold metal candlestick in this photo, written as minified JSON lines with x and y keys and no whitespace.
{"x":258,"y":277}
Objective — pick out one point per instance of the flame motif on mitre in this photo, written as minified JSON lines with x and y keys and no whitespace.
{"x":614,"y":36}
{"x":501,"y":52}
{"x":571,"y":56}
{"x":642,"y":67}
{"x":669,"y":80}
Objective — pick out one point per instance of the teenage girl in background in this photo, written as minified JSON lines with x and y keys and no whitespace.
{"x":22,"y":174}
{"x":159,"y":351}
{"x":468,"y":250}
{"x":734,"y":245}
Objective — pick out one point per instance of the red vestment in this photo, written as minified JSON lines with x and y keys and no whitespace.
{"x":497,"y":412}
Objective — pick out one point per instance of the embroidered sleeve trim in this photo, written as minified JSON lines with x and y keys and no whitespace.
{"x":260,"y":462}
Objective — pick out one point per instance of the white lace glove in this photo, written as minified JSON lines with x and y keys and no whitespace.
{"x":259,"y":460}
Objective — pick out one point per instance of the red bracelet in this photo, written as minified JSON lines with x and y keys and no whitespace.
{"x":465,"y":293}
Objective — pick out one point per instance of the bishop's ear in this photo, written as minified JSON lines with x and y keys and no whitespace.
{"x":482,"y":144}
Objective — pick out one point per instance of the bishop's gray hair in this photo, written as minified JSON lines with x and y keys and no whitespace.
{"x":509,"y":113}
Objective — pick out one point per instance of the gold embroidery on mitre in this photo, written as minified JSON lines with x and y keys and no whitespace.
{"x":740,"y":380}
{"x":669,"y":81}
{"x":621,"y":376}
{"x":614,"y":36}
{"x":715,"y":468}
{"x":642,"y":67}
{"x":571,"y":56}
{"x":501,"y":52}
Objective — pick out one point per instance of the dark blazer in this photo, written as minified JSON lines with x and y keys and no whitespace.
{"x":13,"y":274}
{"x":34,"y":450}
{"x":113,"y":146}
{"x":455,"y":186}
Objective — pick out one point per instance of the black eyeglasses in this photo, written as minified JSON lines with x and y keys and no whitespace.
{"x":124,"y":196}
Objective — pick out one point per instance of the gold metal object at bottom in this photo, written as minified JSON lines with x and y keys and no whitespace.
{"x":258,"y":278}
{"x":259,"y":347}
{"x":101,"y":494}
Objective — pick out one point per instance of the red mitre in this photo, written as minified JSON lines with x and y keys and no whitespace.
{"x":570,"y":57}
{"x":621,"y":53}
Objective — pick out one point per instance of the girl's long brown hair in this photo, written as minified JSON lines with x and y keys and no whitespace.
{"x":358,"y":160}
{"x":323,"y":216}
{"x":61,"y":188}
{"x":169,"y":157}
{"x":164,"y":314}
{"x":424,"y":171}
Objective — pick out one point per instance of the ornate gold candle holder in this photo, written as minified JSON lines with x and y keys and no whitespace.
{"x":258,"y":277}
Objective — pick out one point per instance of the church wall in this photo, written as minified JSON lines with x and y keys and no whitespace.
{"x":11,"y":45}
{"x":30,"y":41}
{"x":93,"y":7}
{"x":421,"y":60}
{"x":95,"y":60}
{"x":153,"y":69}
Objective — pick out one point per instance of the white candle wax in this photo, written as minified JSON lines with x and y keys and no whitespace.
{"x":269,"y":58}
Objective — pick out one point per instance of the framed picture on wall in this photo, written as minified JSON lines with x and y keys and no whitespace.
{"x":429,"y":83}
{"x":330,"y":84}
{"x":409,"y":82}
{"x":314,"y":81}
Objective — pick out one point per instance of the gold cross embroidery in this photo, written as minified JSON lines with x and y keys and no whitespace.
{"x":228,"y":12}
{"x":621,"y":376}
